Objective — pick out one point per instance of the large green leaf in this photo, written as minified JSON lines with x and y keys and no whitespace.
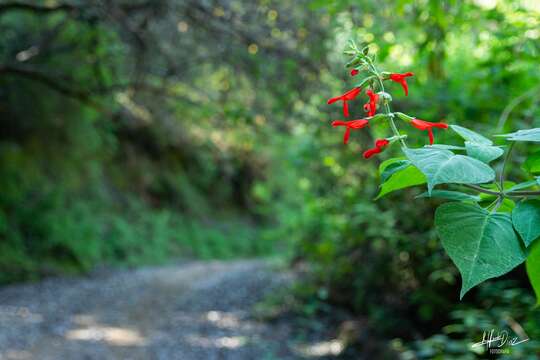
{"x":524,"y":135}
{"x":533,"y":269}
{"x":481,"y":244}
{"x":444,"y":167}
{"x":470,"y":135}
{"x":402,"y":175}
{"x":445,"y":147}
{"x":526,"y":220}
{"x":450,"y":195}
{"x":482,"y":152}
{"x":478,"y":146}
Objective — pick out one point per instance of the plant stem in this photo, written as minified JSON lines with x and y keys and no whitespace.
{"x":501,"y":194}
{"x":386,"y":106}
{"x":523,"y":193}
{"x":497,"y":193}
{"x":499,"y":200}
{"x":481,"y":189}
{"x":506,"y":158}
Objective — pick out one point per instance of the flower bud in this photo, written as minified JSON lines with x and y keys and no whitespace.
{"x":385,"y":75}
{"x":404,"y":117}
{"x":385,"y":97}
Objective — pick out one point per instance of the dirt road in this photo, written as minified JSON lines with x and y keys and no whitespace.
{"x":196,"y":310}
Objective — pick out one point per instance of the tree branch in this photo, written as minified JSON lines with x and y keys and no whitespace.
{"x":82,"y":96}
{"x":20,"y":6}
{"x":44,"y":9}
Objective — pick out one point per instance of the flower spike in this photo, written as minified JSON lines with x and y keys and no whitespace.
{"x":401,"y":79}
{"x":349,"y":95}
{"x":353,"y":124}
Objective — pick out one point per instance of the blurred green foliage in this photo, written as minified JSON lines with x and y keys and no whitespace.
{"x":139,"y":132}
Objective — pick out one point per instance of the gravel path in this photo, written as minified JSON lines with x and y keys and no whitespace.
{"x":197,"y":310}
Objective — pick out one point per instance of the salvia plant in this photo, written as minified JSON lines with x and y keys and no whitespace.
{"x":490,"y":224}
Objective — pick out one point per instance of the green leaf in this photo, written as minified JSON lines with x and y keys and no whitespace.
{"x":524,"y":135}
{"x":482,"y":152}
{"x":525,"y":184}
{"x":391,"y":166}
{"x":450,"y":195}
{"x":495,"y":187}
{"x":403,"y":178}
{"x":445,"y":147}
{"x":470,"y":135}
{"x":532,"y":163}
{"x":482,"y":245}
{"x":533,"y":269}
{"x":444,"y":167}
{"x":507,"y":206}
{"x":526,"y":219}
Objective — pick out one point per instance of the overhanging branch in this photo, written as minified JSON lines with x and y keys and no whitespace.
{"x":42,"y":9}
{"x":30,"y":74}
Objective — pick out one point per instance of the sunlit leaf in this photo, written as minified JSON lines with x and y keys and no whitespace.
{"x":524,"y":135}
{"x":445,"y":167}
{"x":391,"y":166}
{"x":482,"y":152}
{"x":507,"y":206}
{"x":470,"y":135}
{"x":399,"y":174}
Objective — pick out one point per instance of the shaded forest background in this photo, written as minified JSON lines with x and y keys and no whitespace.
{"x":136,"y":132}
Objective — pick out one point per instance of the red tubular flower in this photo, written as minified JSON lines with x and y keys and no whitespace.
{"x":353,"y":124}
{"x":400,"y":78}
{"x":354,"y":72}
{"x":380,"y":144}
{"x":426,"y":125}
{"x":371,"y":106}
{"x":349,"y":95}
{"x":370,"y":152}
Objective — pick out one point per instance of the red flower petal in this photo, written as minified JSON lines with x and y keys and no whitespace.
{"x":347,"y":135}
{"x":352,"y":124}
{"x":428,"y":126}
{"x":349,"y":95}
{"x":371,"y":106}
{"x":381,"y":143}
{"x":370,"y":152}
{"x":400,"y":78}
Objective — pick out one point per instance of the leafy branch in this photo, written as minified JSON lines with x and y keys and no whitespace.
{"x":483,"y":238}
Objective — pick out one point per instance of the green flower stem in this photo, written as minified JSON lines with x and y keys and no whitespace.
{"x":506,"y":158}
{"x":500,"y":200}
{"x":387,"y":109}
